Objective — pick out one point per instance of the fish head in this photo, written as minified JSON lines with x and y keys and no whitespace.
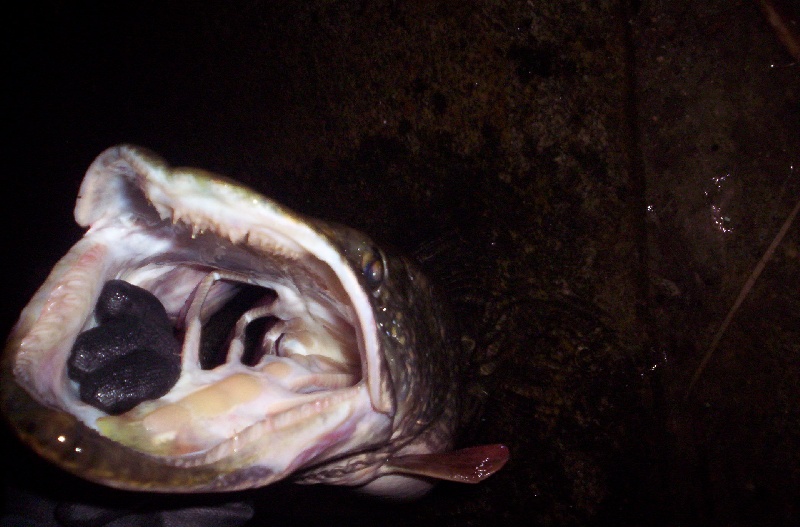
{"x":337,"y":367}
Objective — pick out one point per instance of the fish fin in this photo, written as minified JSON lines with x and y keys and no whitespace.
{"x":468,"y":465}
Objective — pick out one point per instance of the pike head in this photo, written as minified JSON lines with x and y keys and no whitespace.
{"x":333,"y":363}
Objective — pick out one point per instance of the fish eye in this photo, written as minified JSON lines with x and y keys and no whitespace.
{"x":373,"y":268}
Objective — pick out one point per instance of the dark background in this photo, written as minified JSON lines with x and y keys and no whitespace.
{"x":604,"y":176}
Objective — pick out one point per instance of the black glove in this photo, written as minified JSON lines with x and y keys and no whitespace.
{"x":232,"y":514}
{"x":120,"y":509}
{"x":130,"y":356}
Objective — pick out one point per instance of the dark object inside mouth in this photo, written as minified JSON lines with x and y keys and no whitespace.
{"x":131,"y":356}
{"x":125,"y":382}
{"x":119,"y":298}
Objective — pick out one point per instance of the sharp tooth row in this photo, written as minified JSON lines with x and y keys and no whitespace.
{"x":200,"y":223}
{"x":234,"y":231}
{"x":226,"y":224}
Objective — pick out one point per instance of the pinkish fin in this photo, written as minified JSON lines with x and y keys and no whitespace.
{"x":468,"y":465}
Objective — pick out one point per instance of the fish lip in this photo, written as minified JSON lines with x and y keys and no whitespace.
{"x":173,"y":194}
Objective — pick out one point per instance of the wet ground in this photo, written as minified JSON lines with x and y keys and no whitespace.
{"x":596,"y":181}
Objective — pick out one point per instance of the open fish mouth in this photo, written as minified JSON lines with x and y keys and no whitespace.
{"x":276,"y":350}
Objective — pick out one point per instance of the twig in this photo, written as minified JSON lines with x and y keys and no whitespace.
{"x":742,"y":295}
{"x":783,"y":23}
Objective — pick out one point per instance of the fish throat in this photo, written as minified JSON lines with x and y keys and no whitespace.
{"x":255,"y":344}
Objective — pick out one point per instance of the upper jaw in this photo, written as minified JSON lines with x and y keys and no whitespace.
{"x":166,"y":230}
